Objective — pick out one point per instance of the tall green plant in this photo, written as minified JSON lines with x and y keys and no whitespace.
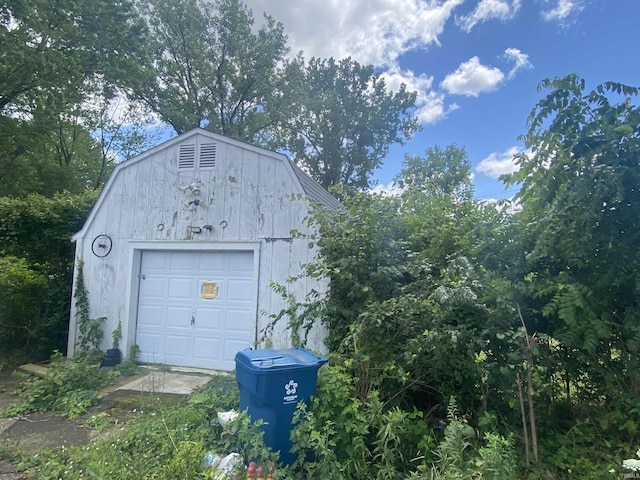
{"x":461,"y":454}
{"x":581,"y":206}
{"x":343,"y":437}
{"x":20,"y":313}
{"x":90,"y":329}
{"x":69,"y":389}
{"x":36,"y":230}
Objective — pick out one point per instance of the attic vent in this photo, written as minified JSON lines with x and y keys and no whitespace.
{"x":187,"y":157}
{"x":207,"y":155}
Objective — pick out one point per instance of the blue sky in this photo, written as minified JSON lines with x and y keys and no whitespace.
{"x":475,"y":64}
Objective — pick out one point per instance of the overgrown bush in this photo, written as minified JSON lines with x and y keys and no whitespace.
{"x":461,"y":454}
{"x":20,"y":310}
{"x":343,"y":437}
{"x":67,"y":388}
{"x":164,"y":443}
{"x":35,"y":234}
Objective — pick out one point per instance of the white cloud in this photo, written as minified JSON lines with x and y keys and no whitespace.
{"x":432,"y":108}
{"x":430,"y":104}
{"x":489,"y":10}
{"x":370,"y":31}
{"x":562,"y":10}
{"x":521,"y":60}
{"x":394,"y":77}
{"x":498,"y":164}
{"x":472,"y":78}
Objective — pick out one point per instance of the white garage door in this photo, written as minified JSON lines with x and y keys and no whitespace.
{"x":196,"y":309}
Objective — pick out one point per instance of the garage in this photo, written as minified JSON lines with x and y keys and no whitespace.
{"x":196,"y":309}
{"x":186,"y":244}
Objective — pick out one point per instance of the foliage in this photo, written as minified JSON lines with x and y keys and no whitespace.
{"x":164,"y":443}
{"x":215,"y":69}
{"x":67,"y":388}
{"x":129,"y":366}
{"x":90,"y":331}
{"x":212,"y":68}
{"x":424,"y":285}
{"x":19,"y":313}
{"x":37,"y":230}
{"x":340,"y":437}
{"x":358,"y":438}
{"x":404,"y":299}
{"x":580,"y":217}
{"x":362,"y":256}
{"x":343,"y":119}
{"x":68,"y":52}
{"x":440,"y":172}
{"x":460,"y":455}
{"x":40,"y":170}
{"x":116,"y":336}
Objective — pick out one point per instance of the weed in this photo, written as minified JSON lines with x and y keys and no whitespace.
{"x":99,"y":421}
{"x":68,"y":388}
{"x":163,"y":442}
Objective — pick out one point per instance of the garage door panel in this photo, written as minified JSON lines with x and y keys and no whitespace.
{"x":177,"y":345}
{"x":156,"y":263}
{"x":183,"y":262}
{"x":152,"y":287}
{"x":212,"y":263}
{"x":172,"y":295}
{"x":241,"y":263}
{"x":231,"y":347}
{"x":209,"y":318}
{"x":150,"y":316}
{"x":178,"y":317}
{"x":150,"y":344}
{"x":206,"y":348}
{"x":239,"y":321}
{"x":181,"y":289}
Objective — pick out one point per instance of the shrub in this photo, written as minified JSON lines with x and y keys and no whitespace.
{"x":343,"y":437}
{"x":460,"y":455}
{"x":20,"y":312}
{"x":68,"y":388}
{"x":164,"y":443}
{"x":34,"y":242}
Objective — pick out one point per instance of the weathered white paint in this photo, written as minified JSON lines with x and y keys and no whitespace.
{"x":252,"y":199}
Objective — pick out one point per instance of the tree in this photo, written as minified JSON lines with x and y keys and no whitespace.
{"x":40,"y":170}
{"x":581,"y":220}
{"x":212,"y":69}
{"x":440,"y":172}
{"x":439,"y":215}
{"x":344,"y":120}
{"x":405,"y":299}
{"x":56,"y":55}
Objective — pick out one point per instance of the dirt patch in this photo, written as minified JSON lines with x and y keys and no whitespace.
{"x":8,"y":472}
{"x":33,"y":432}
{"x":45,"y":430}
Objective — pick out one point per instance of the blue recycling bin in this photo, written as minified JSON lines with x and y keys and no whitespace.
{"x":271,"y":383}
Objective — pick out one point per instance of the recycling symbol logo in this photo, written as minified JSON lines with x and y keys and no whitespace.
{"x":291,"y":388}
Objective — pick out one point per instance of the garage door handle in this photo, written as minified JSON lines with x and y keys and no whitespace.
{"x":193,"y":319}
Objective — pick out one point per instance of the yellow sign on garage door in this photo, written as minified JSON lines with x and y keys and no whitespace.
{"x":209,"y":289}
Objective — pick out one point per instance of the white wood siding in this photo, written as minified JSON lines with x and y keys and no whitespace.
{"x":251,"y":197}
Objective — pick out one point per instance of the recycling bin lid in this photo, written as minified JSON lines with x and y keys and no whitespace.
{"x":268,"y":359}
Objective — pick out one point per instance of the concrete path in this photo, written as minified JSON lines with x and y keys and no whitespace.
{"x":167,"y":382}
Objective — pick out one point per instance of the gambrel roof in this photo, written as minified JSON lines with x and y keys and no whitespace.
{"x":312,"y":189}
